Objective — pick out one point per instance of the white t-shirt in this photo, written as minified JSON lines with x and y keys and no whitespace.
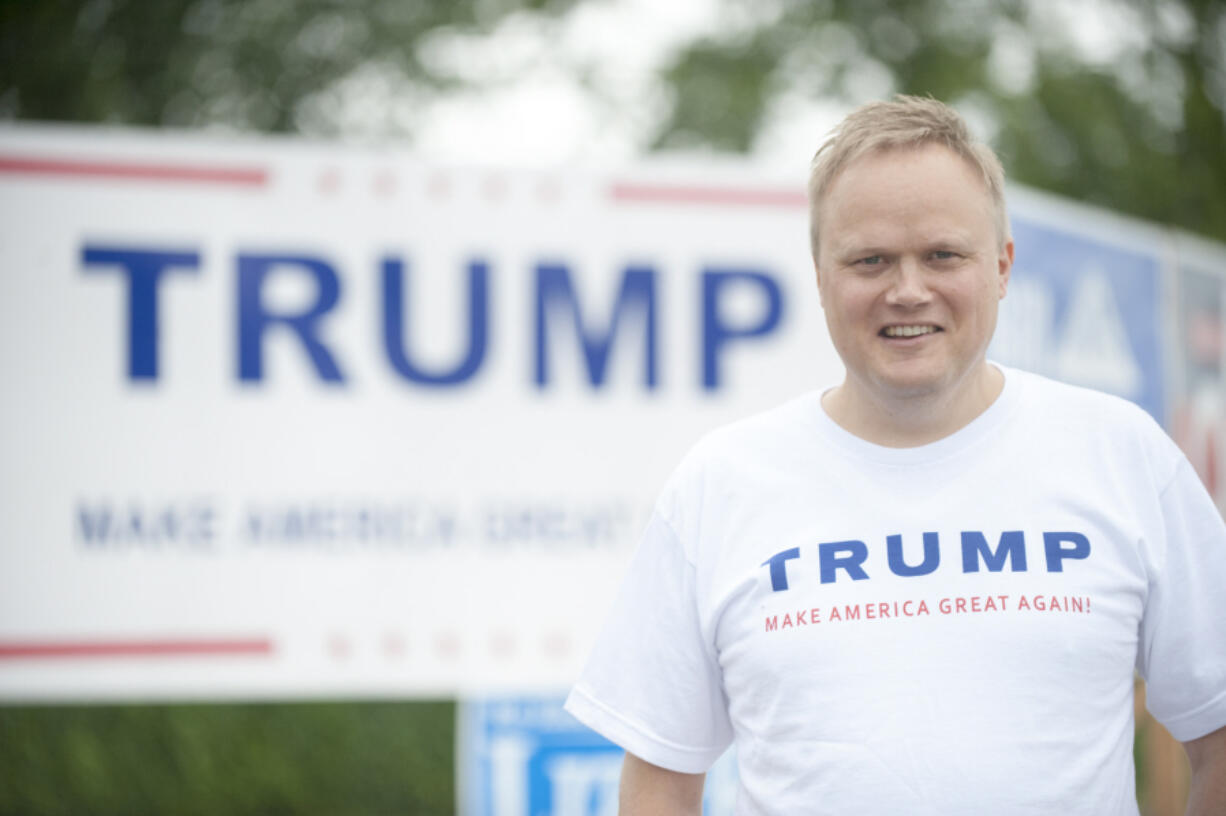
{"x":946,"y":629}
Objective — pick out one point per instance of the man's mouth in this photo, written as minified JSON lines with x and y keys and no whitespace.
{"x":909,"y":331}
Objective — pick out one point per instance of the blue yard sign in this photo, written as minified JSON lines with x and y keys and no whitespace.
{"x":525,"y":756}
{"x":1086,"y":312}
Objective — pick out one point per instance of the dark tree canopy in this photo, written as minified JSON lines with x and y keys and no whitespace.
{"x":251,"y":64}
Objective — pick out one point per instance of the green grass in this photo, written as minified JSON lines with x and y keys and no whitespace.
{"x":340,"y":759}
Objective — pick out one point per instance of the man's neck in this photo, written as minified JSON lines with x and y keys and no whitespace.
{"x":913,"y":420}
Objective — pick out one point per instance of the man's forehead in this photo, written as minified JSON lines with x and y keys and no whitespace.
{"x":858,"y":160}
{"x":952,"y":177}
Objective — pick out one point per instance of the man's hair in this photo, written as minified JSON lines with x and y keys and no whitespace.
{"x":905,"y":122}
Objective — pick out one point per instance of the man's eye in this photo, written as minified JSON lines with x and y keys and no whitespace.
{"x":871,"y":260}
{"x":944,"y":255}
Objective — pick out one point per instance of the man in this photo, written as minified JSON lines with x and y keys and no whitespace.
{"x":925,"y":590}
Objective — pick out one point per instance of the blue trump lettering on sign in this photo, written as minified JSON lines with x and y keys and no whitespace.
{"x":557,"y":315}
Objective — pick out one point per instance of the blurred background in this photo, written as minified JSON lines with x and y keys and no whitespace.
{"x":1112,"y":102}
{"x":1116,"y":107}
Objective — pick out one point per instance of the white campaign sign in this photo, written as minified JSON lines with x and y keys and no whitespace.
{"x":286,"y":420}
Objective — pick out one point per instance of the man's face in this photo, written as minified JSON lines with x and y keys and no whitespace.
{"x":910,"y":272}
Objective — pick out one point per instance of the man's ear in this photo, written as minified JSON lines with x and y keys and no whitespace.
{"x":1004,"y":264}
{"x":817,"y":273}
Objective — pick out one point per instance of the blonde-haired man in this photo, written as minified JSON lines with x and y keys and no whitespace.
{"x":925,"y":589}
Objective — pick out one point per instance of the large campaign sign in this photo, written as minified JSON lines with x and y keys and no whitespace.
{"x":283,"y":419}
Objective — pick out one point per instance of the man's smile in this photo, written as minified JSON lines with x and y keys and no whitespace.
{"x":909,"y":330}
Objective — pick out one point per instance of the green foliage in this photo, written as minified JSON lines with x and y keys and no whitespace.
{"x":248,"y":64}
{"x":722,"y":88}
{"x":1141,"y":130}
{"x":341,"y":759}
{"x":1145,"y":134}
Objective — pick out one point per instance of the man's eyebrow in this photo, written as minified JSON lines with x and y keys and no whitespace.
{"x":853,"y":255}
{"x":854,"y":246}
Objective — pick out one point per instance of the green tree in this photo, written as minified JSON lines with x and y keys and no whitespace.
{"x":264,"y":65}
{"x":1119,"y":103}
{"x":1135,"y":124}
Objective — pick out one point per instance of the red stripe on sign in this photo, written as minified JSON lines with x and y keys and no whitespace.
{"x":721,"y":196}
{"x":186,"y":173}
{"x":135,"y":648}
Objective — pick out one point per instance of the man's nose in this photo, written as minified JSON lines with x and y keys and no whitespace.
{"x":908,"y":287}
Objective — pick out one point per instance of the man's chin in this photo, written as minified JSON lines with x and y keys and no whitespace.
{"x":912,"y":384}
{"x":918,"y":382}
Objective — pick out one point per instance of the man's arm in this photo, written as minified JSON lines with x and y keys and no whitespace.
{"x":1207,"y":793}
{"x":649,"y":790}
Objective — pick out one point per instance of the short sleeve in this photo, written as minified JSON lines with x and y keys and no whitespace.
{"x":1183,"y":634}
{"x":651,"y":684}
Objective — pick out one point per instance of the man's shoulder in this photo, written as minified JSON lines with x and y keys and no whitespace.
{"x":733,"y":462}
{"x":1079,"y":403}
{"x":760,"y":433}
{"x":1080,"y":420}
{"x":760,"y":440}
